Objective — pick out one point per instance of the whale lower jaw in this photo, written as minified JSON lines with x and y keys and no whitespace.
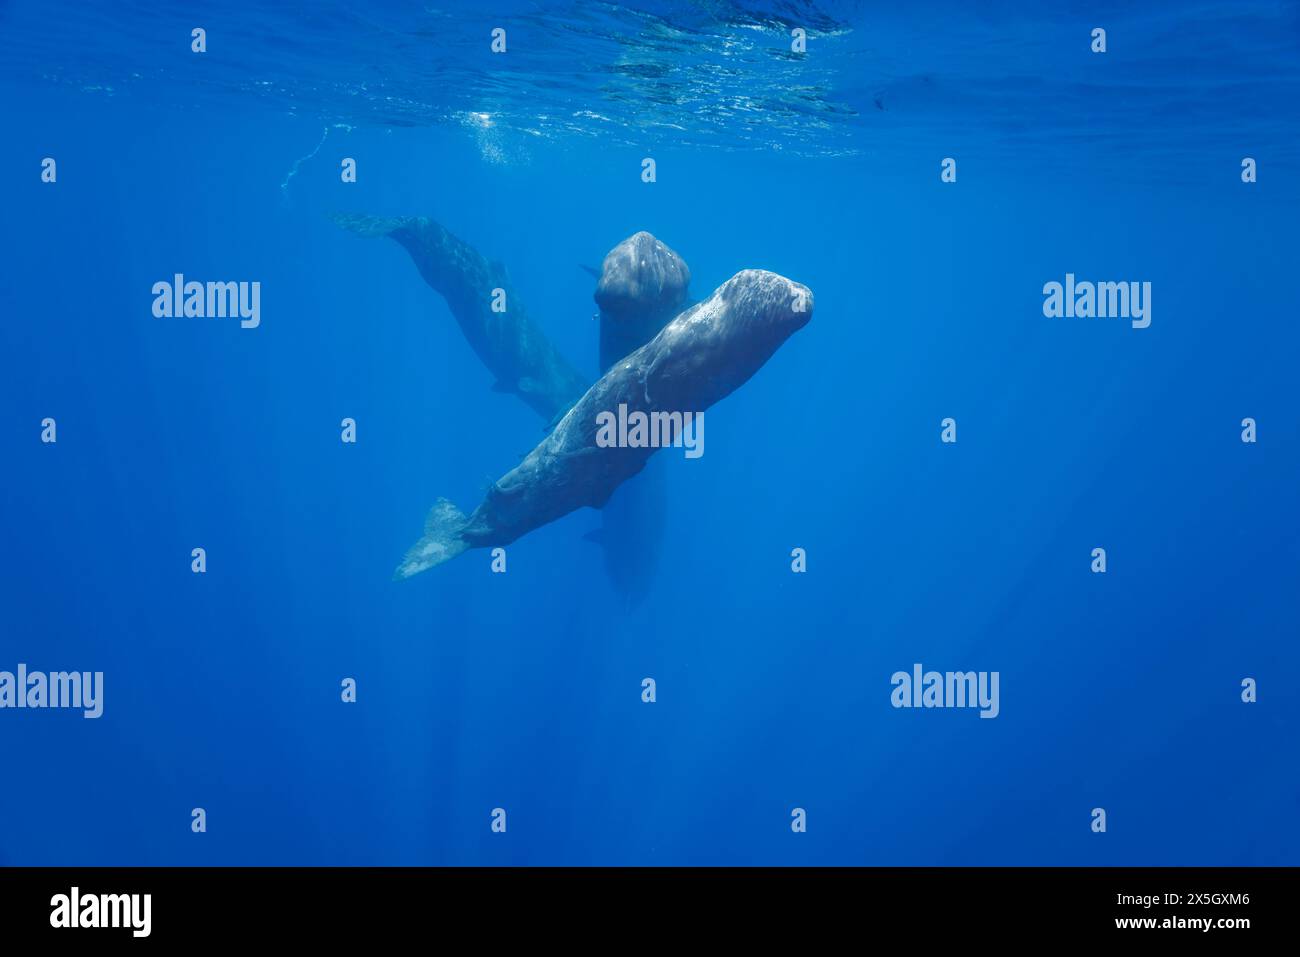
{"x":440,"y":543}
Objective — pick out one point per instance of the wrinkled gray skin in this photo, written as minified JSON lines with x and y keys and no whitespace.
{"x":642,"y":286}
{"x":700,"y":357}
{"x":513,"y":348}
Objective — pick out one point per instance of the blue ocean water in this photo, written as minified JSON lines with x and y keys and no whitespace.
{"x":523,"y":690}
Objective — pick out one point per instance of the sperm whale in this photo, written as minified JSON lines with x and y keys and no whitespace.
{"x":512,"y":346}
{"x":697,"y":359}
{"x":641,"y":286}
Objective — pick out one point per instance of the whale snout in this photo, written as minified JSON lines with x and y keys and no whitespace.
{"x":768,"y":299}
{"x":799,"y":299}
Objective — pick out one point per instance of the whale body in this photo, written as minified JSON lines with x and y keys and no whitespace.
{"x":641,"y":286}
{"x":697,"y":359}
{"x":510,"y":344}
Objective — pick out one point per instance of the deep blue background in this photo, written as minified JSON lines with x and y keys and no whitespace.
{"x":523,"y":690}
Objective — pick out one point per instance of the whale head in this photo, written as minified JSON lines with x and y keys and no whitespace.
{"x":642,"y":285}
{"x":765,"y":307}
{"x":715,"y":346}
{"x":641,"y":275}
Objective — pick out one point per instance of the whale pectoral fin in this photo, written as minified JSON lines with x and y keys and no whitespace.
{"x":440,"y":543}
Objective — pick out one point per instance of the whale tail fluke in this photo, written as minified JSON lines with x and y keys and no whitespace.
{"x":441,"y":541}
